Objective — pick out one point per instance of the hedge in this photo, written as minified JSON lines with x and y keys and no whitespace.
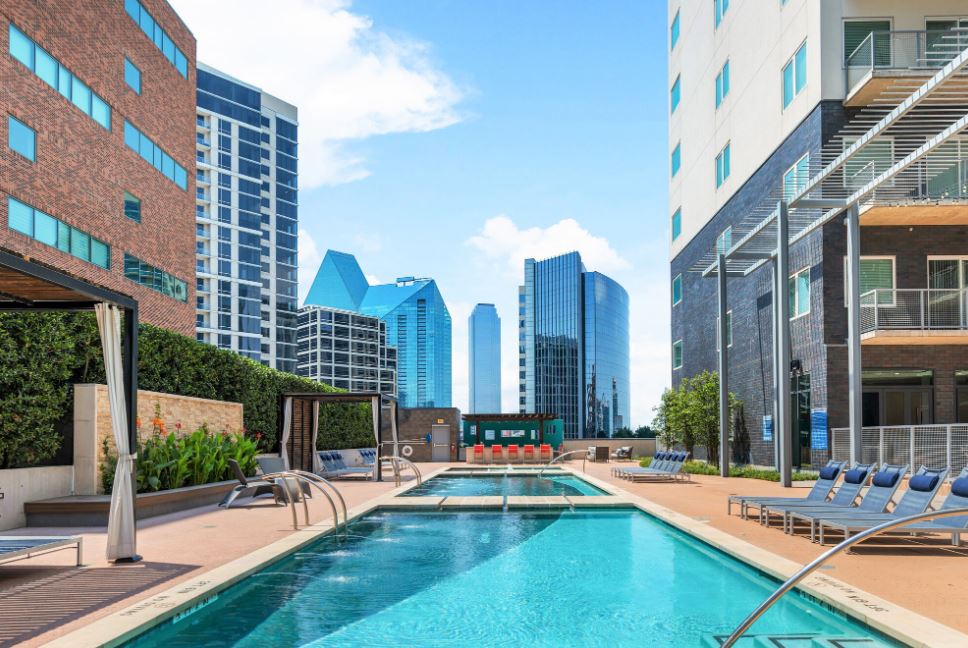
{"x":43,"y":355}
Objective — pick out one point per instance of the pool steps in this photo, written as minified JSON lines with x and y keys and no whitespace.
{"x":805,"y":640}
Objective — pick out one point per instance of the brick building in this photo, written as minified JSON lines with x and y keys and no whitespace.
{"x":97,"y":148}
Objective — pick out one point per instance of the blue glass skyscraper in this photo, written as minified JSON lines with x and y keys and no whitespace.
{"x":484,"y":359}
{"x":574,"y":346}
{"x":417,"y":321}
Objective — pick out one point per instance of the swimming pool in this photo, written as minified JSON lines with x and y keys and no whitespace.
{"x":570,"y":578}
{"x":445,"y":485}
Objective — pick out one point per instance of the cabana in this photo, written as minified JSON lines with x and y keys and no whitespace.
{"x":29,"y":286}
{"x":299,"y":426}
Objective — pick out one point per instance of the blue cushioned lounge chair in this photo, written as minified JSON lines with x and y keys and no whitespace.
{"x":819,"y":493}
{"x":855,"y":480}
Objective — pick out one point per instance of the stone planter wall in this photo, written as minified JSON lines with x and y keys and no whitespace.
{"x":92,"y":424}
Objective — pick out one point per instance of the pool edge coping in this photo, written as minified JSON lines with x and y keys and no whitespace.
{"x":895,"y":621}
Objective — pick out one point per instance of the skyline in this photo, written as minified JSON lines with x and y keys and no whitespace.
{"x":507,"y":175}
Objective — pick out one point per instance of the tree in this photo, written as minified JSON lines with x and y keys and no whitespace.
{"x":643,"y":432}
{"x":623,"y":433}
{"x":689,"y":415}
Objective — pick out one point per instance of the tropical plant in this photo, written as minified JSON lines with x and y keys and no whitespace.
{"x":689,"y":415}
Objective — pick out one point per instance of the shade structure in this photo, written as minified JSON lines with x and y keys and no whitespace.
{"x":121,"y":521}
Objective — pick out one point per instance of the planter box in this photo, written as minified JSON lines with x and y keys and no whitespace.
{"x":92,"y":510}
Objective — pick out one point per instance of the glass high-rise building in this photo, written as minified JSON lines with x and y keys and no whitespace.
{"x":417,"y":321}
{"x":484,"y":359}
{"x":246,"y":208}
{"x":574,"y":346}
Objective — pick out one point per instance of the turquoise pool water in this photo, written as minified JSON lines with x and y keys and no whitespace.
{"x":509,"y":484}
{"x":602,"y":578}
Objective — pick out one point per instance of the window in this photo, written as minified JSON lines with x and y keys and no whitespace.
{"x":675,"y":160}
{"x":132,"y":76}
{"x":800,"y":293}
{"x":724,"y":241}
{"x":21,"y":138}
{"x":51,"y":231}
{"x":157,"y":35}
{"x":856,"y":33}
{"x":722,"y":166}
{"x":795,"y":75}
{"x":147,"y":275}
{"x":876,"y":273}
{"x":796,"y":177}
{"x":132,"y":207}
{"x":729,"y":330}
{"x":677,"y":354}
{"x":677,"y":289}
{"x":676,"y":224}
{"x":720,"y":7}
{"x":722,"y":84}
{"x":58,"y":77}
{"x":154,"y":155}
{"x":674,"y":95}
{"x":674,"y":32}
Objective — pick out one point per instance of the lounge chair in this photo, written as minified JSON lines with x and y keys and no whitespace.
{"x":673,"y":470}
{"x":659,"y":462}
{"x":252,"y":487}
{"x":622,"y":454}
{"x":22,"y":547}
{"x":335,"y":468}
{"x":877,"y":499}
{"x":921,"y":491}
{"x":529,"y":454}
{"x":855,"y":480}
{"x":819,"y":493}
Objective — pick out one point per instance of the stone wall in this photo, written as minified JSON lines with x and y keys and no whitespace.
{"x":20,"y":485}
{"x":179,"y":414}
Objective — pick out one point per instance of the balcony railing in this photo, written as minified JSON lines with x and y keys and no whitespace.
{"x":934,"y":446}
{"x":919,"y":309}
{"x":897,"y":51}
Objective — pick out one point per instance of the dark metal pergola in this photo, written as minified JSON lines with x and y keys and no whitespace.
{"x":33,"y":287}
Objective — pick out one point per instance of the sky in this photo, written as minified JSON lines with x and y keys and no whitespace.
{"x":453,"y":139}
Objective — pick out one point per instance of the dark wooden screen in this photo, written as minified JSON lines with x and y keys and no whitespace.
{"x":300,"y":446}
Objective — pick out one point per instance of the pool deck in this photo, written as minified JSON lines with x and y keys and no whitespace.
{"x":204,"y":548}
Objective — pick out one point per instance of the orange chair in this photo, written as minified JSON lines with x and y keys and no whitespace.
{"x":545,"y":452}
{"x":478,"y":453}
{"x":497,"y":453}
{"x":529,"y":454}
{"x":513,"y":454}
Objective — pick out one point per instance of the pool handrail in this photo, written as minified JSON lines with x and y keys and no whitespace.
{"x":322,"y":480}
{"x":808,"y":569}
{"x":394,"y":460}
{"x":288,"y":474}
{"x":562,"y":456}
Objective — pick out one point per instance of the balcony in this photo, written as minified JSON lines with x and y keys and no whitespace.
{"x":923,"y":316}
{"x":888,"y":65}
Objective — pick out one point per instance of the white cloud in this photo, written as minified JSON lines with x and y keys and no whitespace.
{"x":349,"y":80}
{"x":310,"y":259}
{"x":502,"y":239}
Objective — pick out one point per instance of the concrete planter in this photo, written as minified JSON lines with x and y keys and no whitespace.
{"x":92,"y":510}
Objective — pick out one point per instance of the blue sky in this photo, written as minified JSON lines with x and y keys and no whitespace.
{"x":453,"y":138}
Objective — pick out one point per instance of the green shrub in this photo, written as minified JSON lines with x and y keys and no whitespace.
{"x":750,"y":472}
{"x":42,"y":355}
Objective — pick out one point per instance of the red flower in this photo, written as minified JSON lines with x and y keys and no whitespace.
{"x":178,"y":426}
{"x":258,"y":435}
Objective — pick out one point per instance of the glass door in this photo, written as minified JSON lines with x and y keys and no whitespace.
{"x":800,"y":396}
{"x":946,"y":283}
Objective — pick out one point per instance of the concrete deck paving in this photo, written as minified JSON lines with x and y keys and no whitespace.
{"x":46,"y":597}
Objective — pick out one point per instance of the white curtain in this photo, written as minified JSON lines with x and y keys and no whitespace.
{"x":317,"y":464}
{"x":393,"y":427}
{"x":121,"y":523}
{"x":375,"y":410}
{"x":286,"y":429}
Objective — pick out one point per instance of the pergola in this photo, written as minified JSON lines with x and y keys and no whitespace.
{"x":299,"y":413}
{"x":910,"y":133}
{"x":29,"y":286}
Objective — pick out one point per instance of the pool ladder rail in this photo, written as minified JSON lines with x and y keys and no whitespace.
{"x":823,"y":558}
{"x":314,"y":480}
{"x":395,"y":461}
{"x":562,"y":456}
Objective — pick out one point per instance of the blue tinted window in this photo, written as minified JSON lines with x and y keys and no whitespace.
{"x":286,"y":129}
{"x":676,"y":224}
{"x":157,"y":35}
{"x":45,"y":67}
{"x":132,"y":76}
{"x":50,"y":231}
{"x":674,"y":32}
{"x":676,"y":159}
{"x":21,"y":138}
{"x":81,"y":95}
{"x":155,"y":156}
{"x":21,"y":47}
{"x":100,"y":112}
{"x":132,"y":207}
{"x":147,"y":275}
{"x":20,"y":217}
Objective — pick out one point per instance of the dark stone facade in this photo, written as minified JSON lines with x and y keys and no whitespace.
{"x":414,"y":424}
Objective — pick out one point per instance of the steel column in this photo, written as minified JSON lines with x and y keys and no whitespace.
{"x":854,"y":373}
{"x":783,"y":427}
{"x":723,"y":372}
{"x":776,"y":354}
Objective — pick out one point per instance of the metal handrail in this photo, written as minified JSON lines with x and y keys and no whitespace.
{"x":562,"y":456}
{"x":811,"y":567}
{"x":396,"y":471}
{"x":332,"y":486}
{"x":288,"y":474}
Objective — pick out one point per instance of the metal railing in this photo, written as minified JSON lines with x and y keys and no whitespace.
{"x":916,"y":445}
{"x":916,"y":50}
{"x":299,"y":476}
{"x":823,"y":558}
{"x":396,"y":461}
{"x":562,"y":456}
{"x":922,"y":309}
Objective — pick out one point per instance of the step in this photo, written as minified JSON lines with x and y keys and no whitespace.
{"x":801,"y":640}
